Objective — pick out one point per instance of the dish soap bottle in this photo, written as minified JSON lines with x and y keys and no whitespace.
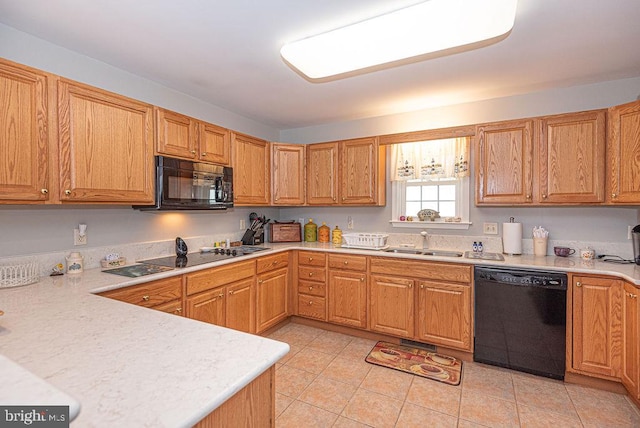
{"x":336,"y":237}
{"x":310,"y":231}
{"x":323,"y":233}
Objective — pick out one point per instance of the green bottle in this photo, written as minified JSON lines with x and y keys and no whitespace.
{"x":310,"y":231}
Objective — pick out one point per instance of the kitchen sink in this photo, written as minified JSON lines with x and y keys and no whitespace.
{"x":403,"y":251}
{"x":442,"y":253}
{"x":424,"y":252}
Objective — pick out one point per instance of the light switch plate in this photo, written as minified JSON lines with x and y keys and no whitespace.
{"x":490,"y":228}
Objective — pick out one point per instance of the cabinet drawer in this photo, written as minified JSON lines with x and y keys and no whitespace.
{"x":274,"y":261}
{"x":311,"y":258}
{"x":150,"y":294}
{"x":424,"y":270}
{"x":174,"y":307}
{"x":215,"y":277}
{"x":312,"y":307}
{"x":312,"y":288}
{"x":312,"y":273}
{"x":358,"y":263}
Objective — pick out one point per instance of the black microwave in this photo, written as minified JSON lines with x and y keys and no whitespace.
{"x":188,"y":185}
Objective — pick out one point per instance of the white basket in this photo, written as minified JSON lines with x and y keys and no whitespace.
{"x":373,"y":241}
{"x":19,"y":274}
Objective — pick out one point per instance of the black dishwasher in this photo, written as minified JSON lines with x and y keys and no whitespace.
{"x":520,"y":319}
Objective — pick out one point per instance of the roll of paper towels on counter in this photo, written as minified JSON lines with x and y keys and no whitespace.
{"x":512,"y":238}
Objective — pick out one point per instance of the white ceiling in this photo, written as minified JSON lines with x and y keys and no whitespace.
{"x":227,"y":52}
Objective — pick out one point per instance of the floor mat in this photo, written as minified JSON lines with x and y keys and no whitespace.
{"x":421,"y":362}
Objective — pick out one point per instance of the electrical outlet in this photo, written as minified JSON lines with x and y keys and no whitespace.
{"x":349,"y":222}
{"x":490,"y":228}
{"x":629,"y":229}
{"x":243,"y":225}
{"x":79,"y":239}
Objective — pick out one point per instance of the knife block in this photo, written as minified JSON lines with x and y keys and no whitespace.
{"x":253,"y":237}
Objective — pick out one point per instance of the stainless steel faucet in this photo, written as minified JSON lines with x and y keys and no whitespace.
{"x":425,"y":239}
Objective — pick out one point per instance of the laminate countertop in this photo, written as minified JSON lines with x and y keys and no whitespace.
{"x":130,"y":366}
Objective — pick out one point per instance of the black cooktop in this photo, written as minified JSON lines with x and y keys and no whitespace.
{"x":200,"y":258}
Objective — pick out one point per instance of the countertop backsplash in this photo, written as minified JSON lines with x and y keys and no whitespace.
{"x":146,"y":250}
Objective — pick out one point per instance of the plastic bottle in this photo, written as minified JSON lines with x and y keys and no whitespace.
{"x":480,"y":247}
{"x":475,"y":247}
{"x":323,"y":233}
{"x":336,"y":236}
{"x":310,"y":231}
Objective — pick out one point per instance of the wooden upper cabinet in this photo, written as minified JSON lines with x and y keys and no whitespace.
{"x":361,"y":172}
{"x":106,"y":146}
{"x":251,"y":170}
{"x":504,"y":163}
{"x":176,"y":134}
{"x":571,"y":158}
{"x":184,"y":137}
{"x":214,"y":144}
{"x":288,"y":174}
{"x":24,"y":173}
{"x":623,"y":154}
{"x":322,"y":174}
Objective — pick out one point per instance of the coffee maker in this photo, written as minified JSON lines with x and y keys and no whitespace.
{"x":635,"y":239}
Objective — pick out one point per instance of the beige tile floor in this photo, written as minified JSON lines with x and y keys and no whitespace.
{"x":325,"y":382}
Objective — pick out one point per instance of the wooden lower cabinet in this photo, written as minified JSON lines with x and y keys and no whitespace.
{"x":444,"y":314}
{"x":272,"y":298}
{"x":223,"y":296}
{"x":631,"y":340}
{"x":311,"y":290}
{"x":391,"y":310}
{"x":229,"y":306}
{"x":251,"y":407}
{"x":597,"y":325}
{"x":347,"y":294}
{"x":164,"y":295}
{"x":207,"y":306}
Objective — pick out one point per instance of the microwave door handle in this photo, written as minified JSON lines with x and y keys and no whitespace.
{"x":219,"y":190}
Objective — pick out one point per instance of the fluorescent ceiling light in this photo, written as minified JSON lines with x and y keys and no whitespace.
{"x":435,"y":26}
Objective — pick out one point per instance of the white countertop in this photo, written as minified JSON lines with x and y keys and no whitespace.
{"x":126,"y":365}
{"x":131,"y":366}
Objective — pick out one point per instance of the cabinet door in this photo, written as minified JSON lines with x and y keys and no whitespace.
{"x":176,"y":134}
{"x":392,"y":306}
{"x":504,"y":163}
{"x":322,"y":174}
{"x":347,"y":294}
{"x":214,"y":144}
{"x":272,"y":299}
{"x":251,"y":170}
{"x":571,"y":158}
{"x":207,"y":307}
{"x":623,"y":154}
{"x":106,"y":146}
{"x":288,"y":174}
{"x":359,"y":171}
{"x":597,"y":325}
{"x":240,"y":306}
{"x":631,"y":340}
{"x":444,"y":314}
{"x":24,"y":175}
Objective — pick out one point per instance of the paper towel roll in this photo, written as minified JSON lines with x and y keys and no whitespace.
{"x":512,"y":238}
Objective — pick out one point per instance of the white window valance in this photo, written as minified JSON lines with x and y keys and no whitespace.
{"x":430,"y":160}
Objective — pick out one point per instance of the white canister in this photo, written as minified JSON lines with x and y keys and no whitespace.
{"x":587,"y":254}
{"x":75,"y":263}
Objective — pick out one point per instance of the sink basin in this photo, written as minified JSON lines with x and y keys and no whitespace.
{"x":442,"y":253}
{"x":424,"y":252}
{"x":403,"y":250}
